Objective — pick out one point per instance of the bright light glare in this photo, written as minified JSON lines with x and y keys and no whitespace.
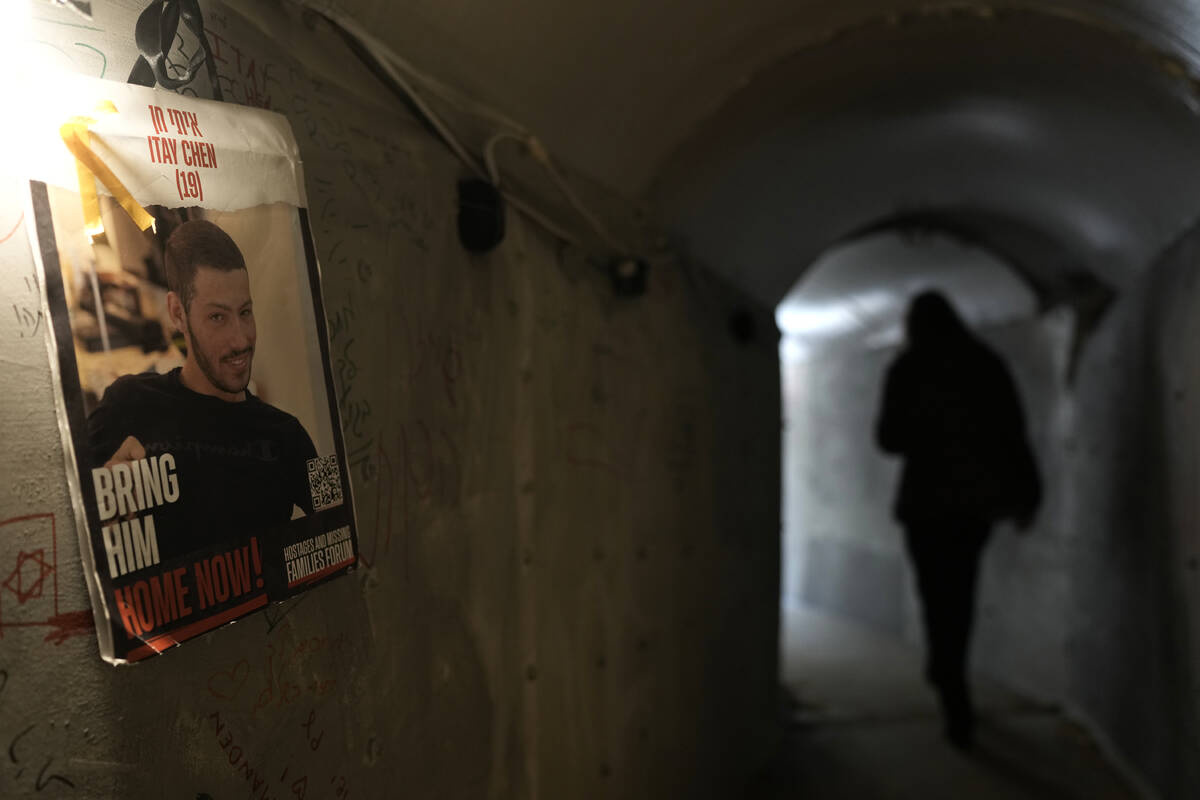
{"x":14,"y":24}
{"x":832,"y":317}
{"x":20,"y":70}
{"x":14,"y":46}
{"x":42,"y":91}
{"x":804,"y":320}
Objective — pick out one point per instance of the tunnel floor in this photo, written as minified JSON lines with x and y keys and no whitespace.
{"x":862,"y":724}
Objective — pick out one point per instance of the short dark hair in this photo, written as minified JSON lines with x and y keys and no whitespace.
{"x":194,"y":244}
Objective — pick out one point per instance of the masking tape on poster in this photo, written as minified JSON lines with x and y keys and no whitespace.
{"x":76,"y":135}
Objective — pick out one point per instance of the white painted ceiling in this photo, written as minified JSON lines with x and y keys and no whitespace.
{"x":764,"y":131}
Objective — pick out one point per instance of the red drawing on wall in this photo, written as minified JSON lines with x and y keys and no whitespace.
{"x":29,"y":594}
{"x":15,"y":228}
{"x":27,"y":584}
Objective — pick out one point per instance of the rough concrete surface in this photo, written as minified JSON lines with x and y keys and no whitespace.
{"x":566,"y":501}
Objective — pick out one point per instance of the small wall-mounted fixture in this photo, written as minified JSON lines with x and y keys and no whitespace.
{"x":480,"y":215}
{"x":742,"y":326}
{"x":628,"y":275}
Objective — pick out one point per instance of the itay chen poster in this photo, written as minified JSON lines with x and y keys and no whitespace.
{"x":196,"y":400}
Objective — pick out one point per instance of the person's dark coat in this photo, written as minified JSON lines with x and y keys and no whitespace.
{"x":951,"y":409}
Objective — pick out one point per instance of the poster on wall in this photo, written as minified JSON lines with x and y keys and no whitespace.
{"x":196,"y":399}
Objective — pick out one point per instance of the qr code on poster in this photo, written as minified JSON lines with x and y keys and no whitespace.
{"x":325,"y":482}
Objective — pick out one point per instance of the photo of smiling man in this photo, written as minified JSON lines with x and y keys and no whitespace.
{"x":243,"y":461}
{"x":193,"y":374}
{"x":199,"y":403}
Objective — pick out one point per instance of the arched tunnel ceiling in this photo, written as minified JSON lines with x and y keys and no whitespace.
{"x":1062,"y":127}
{"x":765,"y":130}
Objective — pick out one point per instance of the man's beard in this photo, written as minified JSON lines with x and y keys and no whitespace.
{"x":210,"y":369}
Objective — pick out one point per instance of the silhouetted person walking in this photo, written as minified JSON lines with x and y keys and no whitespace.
{"x":951,"y":409}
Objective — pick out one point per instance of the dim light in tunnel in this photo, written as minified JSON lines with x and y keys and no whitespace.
{"x":858,"y":291}
{"x":832,"y":317}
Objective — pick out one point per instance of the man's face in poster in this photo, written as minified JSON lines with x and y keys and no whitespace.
{"x":219,"y":328}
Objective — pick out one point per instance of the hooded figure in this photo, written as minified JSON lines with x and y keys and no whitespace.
{"x":951,"y":410}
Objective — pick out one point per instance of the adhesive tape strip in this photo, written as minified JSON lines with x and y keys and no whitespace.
{"x":76,"y":135}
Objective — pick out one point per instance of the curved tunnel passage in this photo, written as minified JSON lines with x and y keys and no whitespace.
{"x":610,"y":622}
{"x":1072,"y":154}
{"x":852,"y":631}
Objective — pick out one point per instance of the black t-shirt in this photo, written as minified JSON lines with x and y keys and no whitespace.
{"x":240,"y":466}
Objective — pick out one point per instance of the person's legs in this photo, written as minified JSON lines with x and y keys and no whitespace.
{"x":946,"y":560}
{"x":962,"y":579}
{"x":924,"y":554}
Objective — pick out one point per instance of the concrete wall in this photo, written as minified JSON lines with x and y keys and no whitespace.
{"x":567,"y":505}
